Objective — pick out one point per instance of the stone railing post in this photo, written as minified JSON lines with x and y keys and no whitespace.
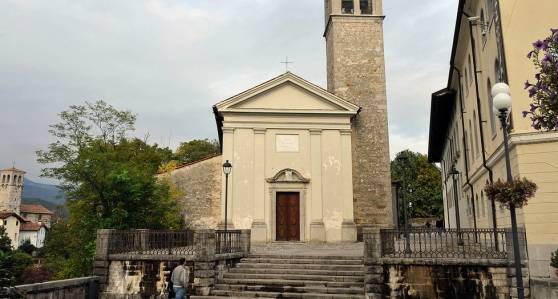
{"x":101,"y":263}
{"x":143,"y":240}
{"x":245,"y":237}
{"x":204,"y":262}
{"x":374,"y":276}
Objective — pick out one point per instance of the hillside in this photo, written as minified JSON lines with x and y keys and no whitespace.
{"x":45,"y":194}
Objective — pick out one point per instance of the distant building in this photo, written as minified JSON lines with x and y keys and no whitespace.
{"x":34,"y":232}
{"x":36,"y":214}
{"x":491,"y":42}
{"x":22,"y":221}
{"x":12,"y":222}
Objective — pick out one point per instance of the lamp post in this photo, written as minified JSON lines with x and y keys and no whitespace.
{"x":227,"y":168}
{"x":403,"y":159}
{"x":502,"y":104}
{"x":454,"y":174}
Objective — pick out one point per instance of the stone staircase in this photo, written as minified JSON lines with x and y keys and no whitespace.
{"x":299,"y":276}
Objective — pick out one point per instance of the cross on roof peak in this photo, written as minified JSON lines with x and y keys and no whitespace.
{"x":286,"y":63}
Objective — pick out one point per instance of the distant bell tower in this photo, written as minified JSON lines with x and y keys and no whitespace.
{"x":356,"y":73}
{"x":11,"y":186}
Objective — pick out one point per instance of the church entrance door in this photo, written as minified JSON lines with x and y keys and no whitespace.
{"x":288,"y":216}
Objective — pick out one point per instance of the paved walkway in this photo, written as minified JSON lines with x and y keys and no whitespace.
{"x":288,"y":248}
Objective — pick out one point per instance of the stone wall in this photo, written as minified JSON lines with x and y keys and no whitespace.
{"x":85,"y":287}
{"x":200,"y":187}
{"x":421,"y":281}
{"x":356,"y":73}
{"x":544,"y":288}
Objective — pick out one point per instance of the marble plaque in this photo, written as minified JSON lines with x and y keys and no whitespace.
{"x":286,"y":143}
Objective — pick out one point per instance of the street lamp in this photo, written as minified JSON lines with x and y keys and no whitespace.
{"x":227,"y":168}
{"x":455,"y":174}
{"x":403,"y":159}
{"x":502,"y":101}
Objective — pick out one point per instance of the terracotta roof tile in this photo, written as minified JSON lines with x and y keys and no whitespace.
{"x":6,"y":214}
{"x":30,"y":226}
{"x":34,"y":209}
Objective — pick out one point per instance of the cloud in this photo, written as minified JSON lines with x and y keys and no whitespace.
{"x":170,"y":61}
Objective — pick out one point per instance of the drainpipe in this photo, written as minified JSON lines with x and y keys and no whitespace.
{"x":480,"y":121}
{"x":465,"y":150}
{"x":447,"y":201}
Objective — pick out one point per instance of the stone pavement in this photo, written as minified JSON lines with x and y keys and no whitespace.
{"x":298,"y":249}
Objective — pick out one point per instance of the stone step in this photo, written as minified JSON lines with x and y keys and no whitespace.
{"x":323,"y":261}
{"x":291,"y":283}
{"x":295,"y":277}
{"x":266,"y":288}
{"x":223,"y":297}
{"x":284,"y":295}
{"x":296,"y":271}
{"x":307,"y":257}
{"x":248,"y":265}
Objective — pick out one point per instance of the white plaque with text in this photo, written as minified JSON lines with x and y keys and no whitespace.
{"x":286,"y":143}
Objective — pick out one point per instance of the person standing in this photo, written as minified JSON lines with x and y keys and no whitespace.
{"x":179,"y":279}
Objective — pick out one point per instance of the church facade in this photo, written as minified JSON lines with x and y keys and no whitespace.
{"x":309,"y":164}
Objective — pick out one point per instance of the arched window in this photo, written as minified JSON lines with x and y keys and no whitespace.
{"x":20,"y":179}
{"x":347,"y":7}
{"x":8,"y":179}
{"x":3,"y":179}
{"x":477,"y":208}
{"x":483,"y":204}
{"x":490,"y":105}
{"x":471,"y":141}
{"x":477,"y":151}
{"x":498,"y":71}
{"x":490,"y":8}
{"x":483,"y":27}
{"x":471,"y":70}
{"x":466,"y":79}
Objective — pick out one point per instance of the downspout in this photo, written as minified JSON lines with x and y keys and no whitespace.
{"x":464,"y":140}
{"x":480,"y":119}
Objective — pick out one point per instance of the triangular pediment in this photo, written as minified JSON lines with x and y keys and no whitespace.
{"x":287,"y":94}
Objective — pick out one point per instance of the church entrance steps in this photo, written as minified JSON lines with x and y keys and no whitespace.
{"x":306,"y":276}
{"x":291,"y":289}
{"x":284,"y":295}
{"x":320,"y":261}
{"x":293,"y":270}
{"x":282,"y":275}
{"x":300,"y":266}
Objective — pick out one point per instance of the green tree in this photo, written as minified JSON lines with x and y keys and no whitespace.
{"x":110,"y":180}
{"x":27,"y":247}
{"x":195,"y":150}
{"x":421,"y":184}
{"x":5,"y":241}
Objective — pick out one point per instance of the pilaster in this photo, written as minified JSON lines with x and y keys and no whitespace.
{"x":228,"y":154}
{"x":259,"y":226}
{"x":317,"y":228}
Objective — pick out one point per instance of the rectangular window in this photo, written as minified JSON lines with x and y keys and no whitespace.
{"x":347,"y":7}
{"x":366,"y":7}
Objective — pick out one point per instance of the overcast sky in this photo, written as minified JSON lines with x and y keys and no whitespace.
{"x":170,"y":61}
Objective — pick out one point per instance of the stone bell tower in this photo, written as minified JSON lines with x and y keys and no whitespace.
{"x":356,"y":73}
{"x":11,"y":186}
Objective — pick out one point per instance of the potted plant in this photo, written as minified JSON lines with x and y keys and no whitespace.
{"x":554,"y":261}
{"x":516,"y":192}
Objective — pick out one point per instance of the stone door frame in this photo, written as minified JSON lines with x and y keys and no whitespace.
{"x":300,"y":188}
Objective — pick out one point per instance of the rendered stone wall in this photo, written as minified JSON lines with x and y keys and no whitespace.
{"x":415,"y":281}
{"x":84,"y":287}
{"x":356,"y":73}
{"x":200,"y":185}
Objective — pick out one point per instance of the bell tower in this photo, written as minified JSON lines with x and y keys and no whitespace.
{"x":356,"y":73}
{"x":11,"y":186}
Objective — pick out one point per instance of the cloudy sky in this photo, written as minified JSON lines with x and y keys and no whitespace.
{"x":170,"y":61}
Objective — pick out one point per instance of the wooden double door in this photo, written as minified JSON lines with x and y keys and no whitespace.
{"x":287,"y":216}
